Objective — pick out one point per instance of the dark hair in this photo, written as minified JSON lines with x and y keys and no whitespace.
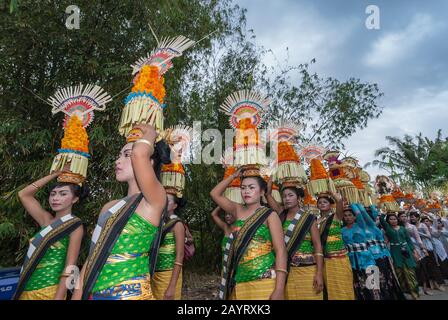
{"x":400,"y":214}
{"x":181,"y":203}
{"x":330,"y":199}
{"x":161,"y":156}
{"x":389,"y":216}
{"x":82,"y":192}
{"x":425,"y":218}
{"x":261,"y":183}
{"x":414,"y":213}
{"x":398,"y":218}
{"x":300,"y":193}
{"x":347,"y":209}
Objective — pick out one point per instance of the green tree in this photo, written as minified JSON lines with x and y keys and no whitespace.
{"x":328,"y":109}
{"x":38,"y":54}
{"x":417,"y":161}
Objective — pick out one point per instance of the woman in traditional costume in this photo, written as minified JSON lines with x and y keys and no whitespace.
{"x":433,"y":271}
{"x":126,"y":239}
{"x":422,"y":254}
{"x":233,"y":193}
{"x":305,"y":278}
{"x":225,"y":224}
{"x":430,"y":220}
{"x":302,"y":238}
{"x":338,"y":276}
{"x":45,"y":272}
{"x":389,"y":288}
{"x":53,"y":253}
{"x":403,"y":254}
{"x":167,"y":280}
{"x":361,"y":258}
{"x":255,"y":256}
{"x":389,"y":284}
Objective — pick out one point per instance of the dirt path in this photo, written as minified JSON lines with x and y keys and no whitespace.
{"x":200,"y":287}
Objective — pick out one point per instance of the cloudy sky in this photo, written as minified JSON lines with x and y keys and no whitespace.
{"x":407,"y":56}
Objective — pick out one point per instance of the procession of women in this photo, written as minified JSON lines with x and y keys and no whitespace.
{"x":302,"y":222}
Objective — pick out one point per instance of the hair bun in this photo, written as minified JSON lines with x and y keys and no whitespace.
{"x":84,"y":192}
{"x":182,"y":202}
{"x":301,"y":192}
{"x":163,"y":152}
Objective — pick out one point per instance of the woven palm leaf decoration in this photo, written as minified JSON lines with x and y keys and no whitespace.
{"x":78,"y":103}
{"x":340,"y":174}
{"x":245,"y":109}
{"x":173,"y":174}
{"x":384,"y":186}
{"x":145,"y":102}
{"x":284,"y":135}
{"x":319,"y":180}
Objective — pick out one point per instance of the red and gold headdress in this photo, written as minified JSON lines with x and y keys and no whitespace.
{"x":341,"y":175}
{"x":145,"y":102}
{"x":245,"y":109}
{"x":78,"y":104}
{"x":288,"y":166}
{"x":319,"y":180}
{"x":172,"y":175}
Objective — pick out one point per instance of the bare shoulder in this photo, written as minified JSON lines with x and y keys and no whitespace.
{"x":78,"y":232}
{"x":179,"y":227}
{"x":273,"y":216}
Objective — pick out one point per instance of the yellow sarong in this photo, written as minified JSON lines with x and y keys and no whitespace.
{"x":338,"y":278}
{"x":47,"y":293}
{"x":300,"y":284}
{"x":160,"y":282}
{"x":253,"y":290}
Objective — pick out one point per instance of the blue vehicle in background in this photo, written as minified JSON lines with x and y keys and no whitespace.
{"x":9,"y":278}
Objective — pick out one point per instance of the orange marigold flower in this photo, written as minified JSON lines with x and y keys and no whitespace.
{"x":228,"y":172}
{"x":149,"y":81}
{"x":173,"y":167}
{"x":317,"y":170}
{"x":358,"y":183}
{"x":75,"y":136}
{"x":398,"y":194}
{"x":286,"y":152}
{"x":386,"y":198}
{"x":247,"y":133}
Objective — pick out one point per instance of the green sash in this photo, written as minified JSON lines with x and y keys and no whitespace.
{"x":39,"y":245}
{"x":104,"y":238}
{"x":236,"y":247}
